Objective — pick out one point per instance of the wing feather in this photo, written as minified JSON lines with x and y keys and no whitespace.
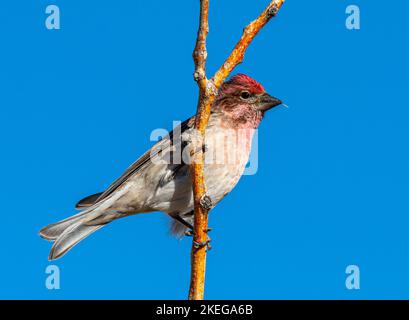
{"x":145,"y":160}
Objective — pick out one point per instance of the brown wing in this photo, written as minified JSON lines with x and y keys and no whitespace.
{"x":142,"y":162}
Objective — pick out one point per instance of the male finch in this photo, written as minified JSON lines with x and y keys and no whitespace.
{"x":153,"y":184}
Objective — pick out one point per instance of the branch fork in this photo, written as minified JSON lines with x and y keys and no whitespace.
{"x":208,"y":90}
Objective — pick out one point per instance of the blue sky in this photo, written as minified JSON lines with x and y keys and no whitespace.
{"x":332,"y":186}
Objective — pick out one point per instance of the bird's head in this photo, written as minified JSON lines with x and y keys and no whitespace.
{"x":243,"y":101}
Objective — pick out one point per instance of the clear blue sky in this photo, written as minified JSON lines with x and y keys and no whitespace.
{"x":77,"y":106}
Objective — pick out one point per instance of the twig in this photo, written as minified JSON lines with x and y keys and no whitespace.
{"x":208,"y":90}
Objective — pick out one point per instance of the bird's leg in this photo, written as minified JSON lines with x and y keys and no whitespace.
{"x":190,"y":232}
{"x":178,"y":218}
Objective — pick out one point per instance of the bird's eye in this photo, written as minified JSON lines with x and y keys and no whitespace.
{"x":245,"y":95}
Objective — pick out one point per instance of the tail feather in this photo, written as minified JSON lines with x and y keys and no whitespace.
{"x":53,"y":231}
{"x":70,"y":237}
{"x":67,"y":233}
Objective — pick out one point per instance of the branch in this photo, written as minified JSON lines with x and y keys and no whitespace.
{"x":200,"y":53}
{"x":208,"y":90}
{"x":237,"y":55}
{"x":198,"y":255}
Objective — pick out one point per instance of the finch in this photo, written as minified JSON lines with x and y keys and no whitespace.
{"x":160,"y":180}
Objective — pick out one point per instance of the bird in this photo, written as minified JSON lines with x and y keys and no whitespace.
{"x":160,"y":179}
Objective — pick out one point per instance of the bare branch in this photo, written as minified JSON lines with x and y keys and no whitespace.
{"x":208,"y":92}
{"x":237,"y":55}
{"x":200,"y":52}
{"x":198,"y":255}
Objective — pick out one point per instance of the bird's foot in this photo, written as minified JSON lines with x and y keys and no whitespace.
{"x":206,"y":202}
{"x":191,"y":233}
{"x":199,"y":245}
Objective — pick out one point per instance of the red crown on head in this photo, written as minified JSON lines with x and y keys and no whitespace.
{"x":243,"y":80}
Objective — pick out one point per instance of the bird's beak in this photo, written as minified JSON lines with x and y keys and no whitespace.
{"x":266,"y":102}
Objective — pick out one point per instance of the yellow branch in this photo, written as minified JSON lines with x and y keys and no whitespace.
{"x":207,"y":93}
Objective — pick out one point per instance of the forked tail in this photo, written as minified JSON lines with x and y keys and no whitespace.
{"x":67,"y":233}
